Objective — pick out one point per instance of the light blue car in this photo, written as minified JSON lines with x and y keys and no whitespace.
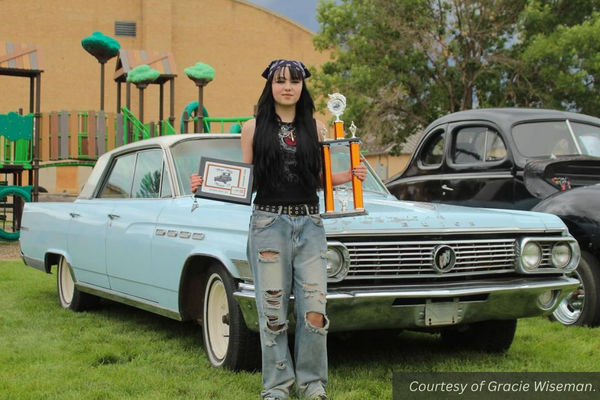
{"x":135,"y":235}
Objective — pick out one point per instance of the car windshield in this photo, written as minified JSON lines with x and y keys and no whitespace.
{"x":557,"y":138}
{"x":187,"y":155}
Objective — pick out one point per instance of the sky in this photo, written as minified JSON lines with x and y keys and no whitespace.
{"x":301,"y":11}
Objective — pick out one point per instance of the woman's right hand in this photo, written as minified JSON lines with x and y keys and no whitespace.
{"x":195,"y":182}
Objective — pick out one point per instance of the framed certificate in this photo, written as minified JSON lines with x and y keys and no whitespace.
{"x":225,"y":180}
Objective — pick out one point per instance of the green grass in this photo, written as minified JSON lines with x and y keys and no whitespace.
{"x":119,"y":352}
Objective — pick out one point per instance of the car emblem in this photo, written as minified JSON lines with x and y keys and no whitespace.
{"x":444,"y":259}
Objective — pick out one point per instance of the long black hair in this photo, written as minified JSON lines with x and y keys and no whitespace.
{"x":267,"y":154}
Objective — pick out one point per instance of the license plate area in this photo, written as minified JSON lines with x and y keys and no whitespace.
{"x":441,"y":313}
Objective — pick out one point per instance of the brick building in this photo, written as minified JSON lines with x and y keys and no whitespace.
{"x":235,"y":37}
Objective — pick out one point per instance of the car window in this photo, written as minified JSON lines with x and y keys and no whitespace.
{"x":478,"y":144}
{"x":148,"y":174}
{"x":433,"y":152}
{"x":187,"y":155}
{"x":340,"y":161}
{"x":118,"y":184}
{"x":588,"y":138}
{"x":544,"y":139}
{"x":165,"y":188}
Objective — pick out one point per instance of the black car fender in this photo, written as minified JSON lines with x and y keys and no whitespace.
{"x":580,"y":210}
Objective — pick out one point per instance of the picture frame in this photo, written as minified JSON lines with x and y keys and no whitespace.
{"x":225,"y":180}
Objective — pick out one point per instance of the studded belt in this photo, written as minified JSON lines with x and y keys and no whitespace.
{"x":293,"y":210}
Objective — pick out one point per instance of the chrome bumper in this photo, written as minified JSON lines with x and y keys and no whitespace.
{"x":429,"y":306}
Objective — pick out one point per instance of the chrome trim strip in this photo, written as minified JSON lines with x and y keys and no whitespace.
{"x":129,"y":300}
{"x":442,"y":231}
{"x":198,"y":236}
{"x":445,"y":290}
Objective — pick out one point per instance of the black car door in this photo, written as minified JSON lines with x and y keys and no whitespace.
{"x":478,"y":167}
{"x":421,"y":181}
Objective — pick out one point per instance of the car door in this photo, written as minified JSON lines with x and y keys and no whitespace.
{"x":87,"y":240}
{"x":132,"y":227}
{"x":479,"y":167}
{"x":421,"y":181}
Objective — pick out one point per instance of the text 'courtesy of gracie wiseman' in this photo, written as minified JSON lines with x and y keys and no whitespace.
{"x":496,"y":385}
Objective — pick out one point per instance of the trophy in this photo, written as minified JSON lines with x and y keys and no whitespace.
{"x":337,"y":105}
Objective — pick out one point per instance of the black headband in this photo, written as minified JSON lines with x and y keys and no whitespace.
{"x":277,"y":64}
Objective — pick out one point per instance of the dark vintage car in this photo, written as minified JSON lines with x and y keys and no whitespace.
{"x":523,"y":159}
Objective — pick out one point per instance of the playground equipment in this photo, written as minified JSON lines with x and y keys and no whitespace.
{"x":18,"y":147}
{"x":77,"y":138}
{"x":190,"y":114}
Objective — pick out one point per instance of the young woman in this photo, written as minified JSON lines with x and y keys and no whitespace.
{"x":287,"y":249}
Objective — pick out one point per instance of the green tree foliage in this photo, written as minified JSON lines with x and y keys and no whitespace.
{"x":559,"y":54}
{"x":404,"y":63}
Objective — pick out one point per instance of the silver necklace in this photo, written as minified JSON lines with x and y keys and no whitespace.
{"x":286,"y":130}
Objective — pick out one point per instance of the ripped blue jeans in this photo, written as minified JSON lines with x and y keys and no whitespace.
{"x":288,"y":255}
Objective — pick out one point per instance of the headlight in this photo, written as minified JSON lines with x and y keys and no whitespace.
{"x":531,"y":256}
{"x":335,"y":261}
{"x":561,"y":255}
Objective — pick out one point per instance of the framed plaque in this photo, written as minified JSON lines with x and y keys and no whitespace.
{"x":225,"y":180}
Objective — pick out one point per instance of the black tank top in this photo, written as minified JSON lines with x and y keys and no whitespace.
{"x":291,"y":190}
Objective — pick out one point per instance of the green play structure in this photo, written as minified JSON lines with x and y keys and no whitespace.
{"x":35,"y":140}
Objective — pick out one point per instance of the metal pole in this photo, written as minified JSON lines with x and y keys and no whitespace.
{"x":141,"y":104}
{"x":200,"y":112}
{"x":118,"y":97}
{"x":36,"y":139}
{"x":31,"y":93}
{"x":128,"y":105}
{"x":102,"y":86}
{"x":172,"y":103}
{"x":161,"y":107}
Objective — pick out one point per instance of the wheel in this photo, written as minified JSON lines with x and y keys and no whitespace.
{"x":227,"y":340}
{"x":581,"y":306}
{"x":69,"y":296}
{"x":489,"y":336}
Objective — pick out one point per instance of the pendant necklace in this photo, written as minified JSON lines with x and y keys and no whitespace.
{"x":286,"y":132}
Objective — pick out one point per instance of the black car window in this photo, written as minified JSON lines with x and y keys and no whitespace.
{"x":478,"y":144}
{"x":588,"y":138}
{"x":148,"y":175}
{"x":544,"y":139}
{"x":433,"y":151}
{"x":118,"y":184}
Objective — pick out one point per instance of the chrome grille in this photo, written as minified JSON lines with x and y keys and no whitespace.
{"x":546,"y":255}
{"x":396,"y":259}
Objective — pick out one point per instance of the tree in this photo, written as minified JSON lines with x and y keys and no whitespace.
{"x":404,"y":63}
{"x":559,"y":58}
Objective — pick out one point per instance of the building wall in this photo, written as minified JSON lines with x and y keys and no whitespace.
{"x":387,"y":166}
{"x":236,"y":38}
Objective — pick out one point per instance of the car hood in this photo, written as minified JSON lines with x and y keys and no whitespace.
{"x":386,"y":214}
{"x":543,"y":178}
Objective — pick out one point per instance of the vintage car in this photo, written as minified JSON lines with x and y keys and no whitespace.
{"x":522,"y":159}
{"x":136,"y":235}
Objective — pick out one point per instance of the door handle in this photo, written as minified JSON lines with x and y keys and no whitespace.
{"x":113,"y":216}
{"x":448,"y":188}
{"x":74,"y":215}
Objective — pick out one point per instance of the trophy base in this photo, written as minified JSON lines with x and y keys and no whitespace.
{"x":340,"y":214}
